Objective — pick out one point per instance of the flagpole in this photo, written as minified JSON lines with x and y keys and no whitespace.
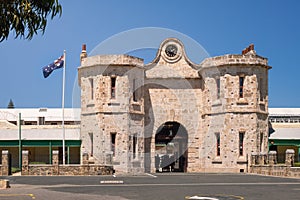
{"x":63,"y":109}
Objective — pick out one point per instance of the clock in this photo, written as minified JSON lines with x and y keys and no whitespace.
{"x":171,"y":50}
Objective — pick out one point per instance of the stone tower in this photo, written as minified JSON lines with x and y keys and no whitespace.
{"x":172,"y":114}
{"x":234,"y":110}
{"x":112,"y":111}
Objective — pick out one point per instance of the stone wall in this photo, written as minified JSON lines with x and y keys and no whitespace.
{"x":62,"y":170}
{"x":68,"y":170}
{"x":266,"y":164}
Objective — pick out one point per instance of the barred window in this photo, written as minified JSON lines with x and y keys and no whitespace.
{"x":241,"y":143}
{"x":92,"y":88}
{"x":218,"y":149}
{"x":113,"y":87}
{"x":218,"y":87}
{"x":241,"y":82}
{"x":134,"y":145}
{"x":113,"y":143}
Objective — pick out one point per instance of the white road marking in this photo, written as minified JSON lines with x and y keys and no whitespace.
{"x":203,"y":198}
{"x":151,"y":175}
{"x":110,"y":183}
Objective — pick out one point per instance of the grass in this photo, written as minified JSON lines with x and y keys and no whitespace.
{"x":296,"y":164}
{"x":15,"y":170}
{"x":37,"y":163}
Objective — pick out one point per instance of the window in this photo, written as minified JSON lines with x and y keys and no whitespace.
{"x":218,"y":144}
{"x":30,"y":123}
{"x":241,"y":88}
{"x":113,"y":87}
{"x":92,"y":143}
{"x":261,"y":98}
{"x":218,"y":87}
{"x":41,"y":120}
{"x":261,"y":142}
{"x":241,"y":143}
{"x":134,"y":145}
{"x":134,"y":92}
{"x":113,"y":143}
{"x":92,"y":88}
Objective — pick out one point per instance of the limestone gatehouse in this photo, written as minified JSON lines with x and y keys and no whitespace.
{"x":173,"y":114}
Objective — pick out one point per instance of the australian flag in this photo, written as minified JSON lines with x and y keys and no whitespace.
{"x":59,"y":63}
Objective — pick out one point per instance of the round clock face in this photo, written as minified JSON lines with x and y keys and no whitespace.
{"x":171,"y":50}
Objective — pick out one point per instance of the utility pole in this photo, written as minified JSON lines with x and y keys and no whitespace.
{"x":20,"y":143}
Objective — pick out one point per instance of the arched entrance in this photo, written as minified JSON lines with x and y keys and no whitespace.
{"x":171,"y":148}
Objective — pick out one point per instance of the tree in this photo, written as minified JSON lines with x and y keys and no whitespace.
{"x":26,"y":17}
{"x":11,"y":104}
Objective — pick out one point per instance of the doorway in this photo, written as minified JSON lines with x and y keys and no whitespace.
{"x":171,"y":148}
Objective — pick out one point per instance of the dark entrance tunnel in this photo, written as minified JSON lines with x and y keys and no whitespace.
{"x":171,"y":148}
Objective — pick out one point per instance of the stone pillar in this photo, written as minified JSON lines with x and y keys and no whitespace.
{"x":5,"y":163}
{"x":108,"y":158}
{"x":253,"y":159}
{"x":4,"y":184}
{"x":55,"y":162}
{"x":85,"y":164}
{"x":85,"y":158}
{"x":272,"y":157}
{"x":25,"y":162}
{"x":289,"y":157}
{"x":262,"y":158}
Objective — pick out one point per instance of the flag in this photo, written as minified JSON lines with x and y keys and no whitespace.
{"x":59,"y":63}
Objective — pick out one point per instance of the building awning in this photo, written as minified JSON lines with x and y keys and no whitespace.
{"x":39,"y":143}
{"x":284,"y":111}
{"x":40,"y":134}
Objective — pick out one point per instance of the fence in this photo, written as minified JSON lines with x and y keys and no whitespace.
{"x":267,"y":164}
{"x":55,"y":168}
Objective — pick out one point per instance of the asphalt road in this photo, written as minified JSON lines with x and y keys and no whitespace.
{"x":152,"y":187}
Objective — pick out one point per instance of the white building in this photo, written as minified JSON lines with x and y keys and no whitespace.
{"x":41,"y":132}
{"x":284,"y":131}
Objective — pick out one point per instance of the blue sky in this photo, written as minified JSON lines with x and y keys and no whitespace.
{"x":221,"y":27}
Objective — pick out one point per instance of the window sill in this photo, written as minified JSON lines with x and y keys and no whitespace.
{"x":116,"y":163}
{"x":242,"y":101}
{"x":242,"y":160}
{"x":113,"y":104}
{"x":216,"y":162}
{"x":217,"y":103}
{"x":90,"y":105}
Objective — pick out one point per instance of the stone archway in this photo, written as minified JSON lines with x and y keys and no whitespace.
{"x":171,"y":141}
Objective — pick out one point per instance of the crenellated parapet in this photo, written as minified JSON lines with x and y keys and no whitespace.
{"x":115,"y":60}
{"x":236,"y":60}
